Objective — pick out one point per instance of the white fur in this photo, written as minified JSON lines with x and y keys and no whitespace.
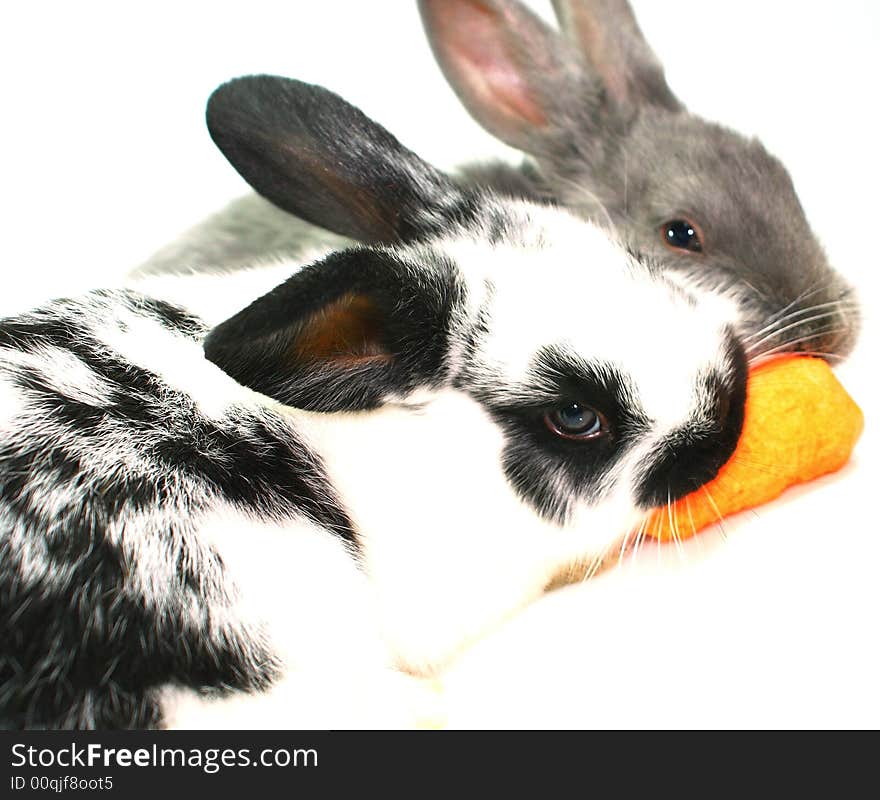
{"x":316,"y":609}
{"x":10,"y":403}
{"x":63,"y":371}
{"x":565,"y":283}
{"x":437,"y":539}
{"x":178,"y":359}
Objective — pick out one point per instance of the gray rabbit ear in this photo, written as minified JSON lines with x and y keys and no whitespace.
{"x":511,"y":71}
{"x":608,"y":36}
{"x":311,"y":153}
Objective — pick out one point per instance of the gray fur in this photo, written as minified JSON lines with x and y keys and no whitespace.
{"x":246,"y":230}
{"x":615,"y":145}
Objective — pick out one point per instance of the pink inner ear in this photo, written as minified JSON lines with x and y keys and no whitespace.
{"x":499,"y":84}
{"x":473,"y":44}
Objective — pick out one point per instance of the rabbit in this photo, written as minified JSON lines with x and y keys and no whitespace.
{"x":353,"y":467}
{"x":605,"y":137}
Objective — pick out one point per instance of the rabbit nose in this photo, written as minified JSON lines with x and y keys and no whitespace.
{"x":830,"y":335}
{"x":843,"y":329}
{"x":691,"y":456}
{"x":683,"y":467}
{"x":827,"y":328}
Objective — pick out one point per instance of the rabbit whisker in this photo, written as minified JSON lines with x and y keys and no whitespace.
{"x":770,"y":327}
{"x":714,"y":505}
{"x":825,"y":315}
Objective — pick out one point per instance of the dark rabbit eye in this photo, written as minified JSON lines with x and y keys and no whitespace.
{"x":682,"y":234}
{"x":576,"y":421}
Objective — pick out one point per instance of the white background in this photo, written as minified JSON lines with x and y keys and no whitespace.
{"x":104,"y":157}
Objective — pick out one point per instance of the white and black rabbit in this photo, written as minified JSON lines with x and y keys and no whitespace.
{"x":364,"y":469}
{"x":607,"y":138}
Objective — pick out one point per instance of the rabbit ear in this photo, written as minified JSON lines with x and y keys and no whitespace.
{"x":507,"y":66}
{"x":608,"y":36}
{"x":315,"y":155}
{"x":344,"y":333}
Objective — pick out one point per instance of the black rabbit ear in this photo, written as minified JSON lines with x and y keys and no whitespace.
{"x":311,"y":153}
{"x":511,"y":70}
{"x":343,"y":334}
{"x":609,"y":38}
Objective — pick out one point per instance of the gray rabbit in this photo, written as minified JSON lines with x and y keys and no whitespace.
{"x":605,"y":136}
{"x":609,"y":139}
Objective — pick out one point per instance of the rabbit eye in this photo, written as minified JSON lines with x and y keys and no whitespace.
{"x":576,"y":421}
{"x":682,"y":234}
